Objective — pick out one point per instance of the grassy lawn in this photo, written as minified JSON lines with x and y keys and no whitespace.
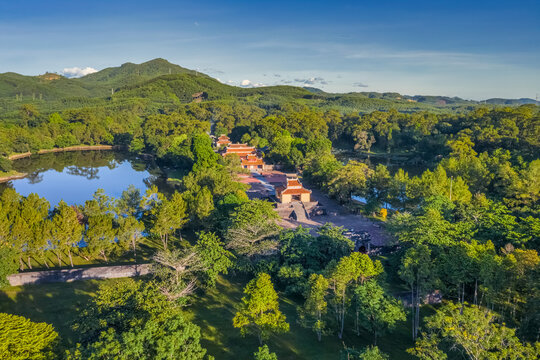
{"x":55,"y":303}
{"x":59,"y":303}
{"x":214,"y":313}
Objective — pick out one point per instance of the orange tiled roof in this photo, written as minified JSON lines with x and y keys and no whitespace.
{"x":252,"y":161}
{"x":295,"y":191}
{"x":240,"y":149}
{"x":293,"y":188}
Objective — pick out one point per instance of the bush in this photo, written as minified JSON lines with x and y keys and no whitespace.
{"x":22,"y":339}
{"x":65,"y":140}
{"x":5,"y":164}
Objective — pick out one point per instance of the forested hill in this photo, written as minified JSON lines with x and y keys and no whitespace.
{"x":130,"y":74}
{"x":99,"y":84}
{"x":161,"y":81}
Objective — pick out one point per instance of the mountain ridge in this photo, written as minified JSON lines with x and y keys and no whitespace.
{"x":128,"y":76}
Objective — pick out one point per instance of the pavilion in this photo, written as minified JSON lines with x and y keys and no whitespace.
{"x":223,"y":140}
{"x":293,"y":191}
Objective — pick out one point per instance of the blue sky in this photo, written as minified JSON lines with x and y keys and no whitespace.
{"x":471,"y":49}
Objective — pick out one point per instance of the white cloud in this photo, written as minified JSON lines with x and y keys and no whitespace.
{"x":75,"y":72}
{"x":359,"y":84}
{"x":249,"y":84}
{"x":312,"y":81}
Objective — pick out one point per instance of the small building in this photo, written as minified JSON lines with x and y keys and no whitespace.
{"x":199,"y":97}
{"x":223,"y":140}
{"x":253,"y":162}
{"x":293,"y":191}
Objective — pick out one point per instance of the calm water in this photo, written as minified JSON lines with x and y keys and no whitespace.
{"x":372,"y":161}
{"x":75,"y":176}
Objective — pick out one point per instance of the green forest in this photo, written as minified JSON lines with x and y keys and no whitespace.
{"x":227,"y":280}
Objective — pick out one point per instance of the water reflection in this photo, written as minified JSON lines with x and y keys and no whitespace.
{"x":87,"y":172}
{"x":35,"y":177}
{"x":75,"y":176}
{"x":413,"y":167}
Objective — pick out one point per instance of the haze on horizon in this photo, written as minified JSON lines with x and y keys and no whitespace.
{"x":478,"y":51}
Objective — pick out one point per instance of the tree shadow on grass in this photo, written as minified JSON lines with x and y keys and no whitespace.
{"x":54,"y":303}
{"x":214,"y":312}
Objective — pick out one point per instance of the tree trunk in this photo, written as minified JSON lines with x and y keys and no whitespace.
{"x":460,"y":299}
{"x":340,"y":335}
{"x":134,"y":249}
{"x":319,"y":331}
{"x":59,"y":260}
{"x":417,"y":314}
{"x":21,"y":264}
{"x":29,"y":263}
{"x":70,"y":257}
{"x":413,"y":308}
{"x":164,"y":241}
{"x":475,"y":291}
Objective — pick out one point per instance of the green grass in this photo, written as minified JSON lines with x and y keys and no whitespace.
{"x":145,"y":251}
{"x":59,"y":303}
{"x":214,"y":312}
{"x":55,"y":303}
{"x":10,"y":173}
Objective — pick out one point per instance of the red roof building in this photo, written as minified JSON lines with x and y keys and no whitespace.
{"x":293,"y":191}
{"x":247,"y":154}
{"x":242,"y":150}
{"x":223,"y":140}
{"x":252,"y":162}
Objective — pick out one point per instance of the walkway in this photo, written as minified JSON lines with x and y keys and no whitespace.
{"x":68,"y":275}
{"x":300,"y":211}
{"x":340,"y":216}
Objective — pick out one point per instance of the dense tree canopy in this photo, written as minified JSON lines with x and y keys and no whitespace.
{"x":466,"y":227}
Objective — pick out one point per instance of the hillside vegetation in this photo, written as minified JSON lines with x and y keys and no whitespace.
{"x":466,"y":228}
{"x":164,"y":82}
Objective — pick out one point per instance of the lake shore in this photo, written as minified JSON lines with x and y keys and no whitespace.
{"x":14,"y":176}
{"x":69,"y":148}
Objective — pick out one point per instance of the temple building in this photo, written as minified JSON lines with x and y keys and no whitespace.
{"x":223,"y":140}
{"x":294,"y":191}
{"x":247,"y":154}
{"x":242,"y":150}
{"x":253,"y":162}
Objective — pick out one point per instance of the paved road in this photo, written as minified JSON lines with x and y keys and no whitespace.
{"x":340,"y":216}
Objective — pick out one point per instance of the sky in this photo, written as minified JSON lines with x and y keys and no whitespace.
{"x":471,"y":49}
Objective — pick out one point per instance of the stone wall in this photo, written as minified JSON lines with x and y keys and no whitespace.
{"x":68,"y":275}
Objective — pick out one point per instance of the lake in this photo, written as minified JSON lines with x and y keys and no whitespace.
{"x":75,"y":176}
{"x":393,"y":163}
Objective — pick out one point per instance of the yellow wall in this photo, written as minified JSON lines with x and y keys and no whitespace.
{"x":285,"y":199}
